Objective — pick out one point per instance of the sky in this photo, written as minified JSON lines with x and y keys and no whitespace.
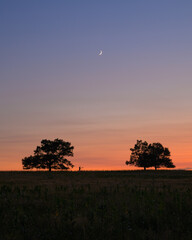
{"x":54,"y":84}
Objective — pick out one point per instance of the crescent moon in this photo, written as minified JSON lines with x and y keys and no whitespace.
{"x":100,"y":53}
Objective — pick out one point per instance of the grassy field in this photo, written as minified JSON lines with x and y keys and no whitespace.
{"x":96,"y":205}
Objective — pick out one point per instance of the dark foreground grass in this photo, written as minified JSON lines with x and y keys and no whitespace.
{"x":96,"y":205}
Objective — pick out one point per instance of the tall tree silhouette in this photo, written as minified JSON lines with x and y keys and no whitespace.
{"x":150,"y":155}
{"x":140,"y":155}
{"x":50,"y":155}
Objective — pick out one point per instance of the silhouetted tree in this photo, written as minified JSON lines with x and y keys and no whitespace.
{"x":140,"y":155}
{"x":50,"y":155}
{"x":160,"y":156}
{"x":150,"y":155}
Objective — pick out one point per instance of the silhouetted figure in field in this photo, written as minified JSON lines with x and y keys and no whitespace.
{"x":150,"y":155}
{"x":80,"y":168}
{"x":50,"y":155}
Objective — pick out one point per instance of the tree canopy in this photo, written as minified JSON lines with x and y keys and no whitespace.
{"x":50,"y":155}
{"x":150,"y":155}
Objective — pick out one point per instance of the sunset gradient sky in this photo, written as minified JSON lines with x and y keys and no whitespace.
{"x":53,"y":83}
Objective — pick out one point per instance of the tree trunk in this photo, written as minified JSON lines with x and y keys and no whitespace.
{"x":155,"y":168}
{"x":144,"y":168}
{"x":49,"y":168}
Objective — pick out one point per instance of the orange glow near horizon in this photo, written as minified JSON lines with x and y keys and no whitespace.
{"x":107,"y":157}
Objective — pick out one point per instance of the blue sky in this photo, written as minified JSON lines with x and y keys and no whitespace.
{"x":54,"y":84}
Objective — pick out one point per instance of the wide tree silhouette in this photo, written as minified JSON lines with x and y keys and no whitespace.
{"x":50,"y":155}
{"x":150,"y":155}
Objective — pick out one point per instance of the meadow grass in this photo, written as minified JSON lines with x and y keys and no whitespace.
{"x":96,"y":205}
